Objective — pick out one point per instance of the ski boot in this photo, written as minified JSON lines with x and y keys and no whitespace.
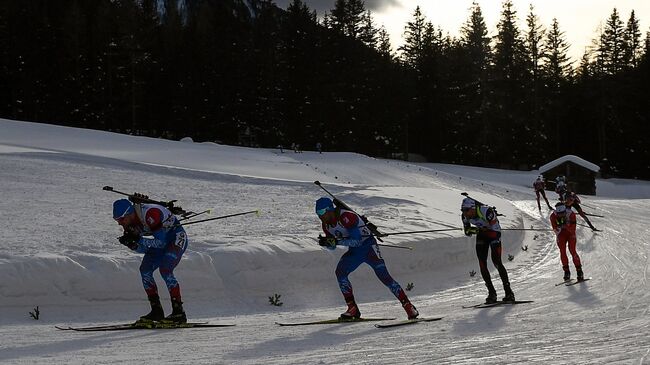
{"x":178,"y":314}
{"x":411,"y":311}
{"x":491,"y":298}
{"x":352,"y":313}
{"x":580,"y":275}
{"x":156,"y":313}
{"x":510,"y":296}
{"x":567,"y":275}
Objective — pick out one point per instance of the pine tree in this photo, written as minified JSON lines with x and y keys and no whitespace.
{"x":632,"y":42}
{"x":368,"y":33}
{"x":383,"y":43}
{"x":347,"y":17}
{"x":534,"y":38}
{"x":509,"y":57}
{"x":474,"y":38}
{"x":611,"y":50}
{"x":557,"y":65}
{"x":414,"y":40}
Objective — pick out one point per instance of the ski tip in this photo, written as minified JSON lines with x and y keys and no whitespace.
{"x":257,"y":212}
{"x":317,"y":182}
{"x":464,"y":193}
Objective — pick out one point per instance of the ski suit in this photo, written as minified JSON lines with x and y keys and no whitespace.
{"x":565,"y":231}
{"x":489,"y":236}
{"x":163,"y":251}
{"x":539,"y":187}
{"x":571,"y":200}
{"x":350,"y":230}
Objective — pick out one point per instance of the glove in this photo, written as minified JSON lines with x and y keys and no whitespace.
{"x":327,"y":242}
{"x":470,"y":231}
{"x":129,"y":240}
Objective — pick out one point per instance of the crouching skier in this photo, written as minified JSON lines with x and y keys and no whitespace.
{"x":346,"y":228}
{"x":163,"y":251}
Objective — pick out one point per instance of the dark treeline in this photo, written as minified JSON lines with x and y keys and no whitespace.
{"x":246,"y":72}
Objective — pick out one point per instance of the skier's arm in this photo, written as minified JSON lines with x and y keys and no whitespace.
{"x":154,"y":220}
{"x":350,"y":222}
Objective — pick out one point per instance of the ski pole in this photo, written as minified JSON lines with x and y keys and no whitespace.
{"x":425,"y":231}
{"x":208,"y":211}
{"x":370,"y":226}
{"x":395,"y":246}
{"x":594,"y":215}
{"x":257,"y":212}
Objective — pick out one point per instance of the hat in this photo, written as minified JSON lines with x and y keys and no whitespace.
{"x":122,"y":208}
{"x":323,"y":205}
{"x":467,"y":203}
{"x":560,"y":208}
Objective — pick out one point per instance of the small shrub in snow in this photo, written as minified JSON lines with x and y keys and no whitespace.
{"x":472,"y":273}
{"x":510,"y":257}
{"x":35,"y":314}
{"x":409,"y":286}
{"x":275,"y":300}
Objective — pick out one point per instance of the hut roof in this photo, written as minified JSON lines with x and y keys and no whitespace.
{"x":575,"y":159}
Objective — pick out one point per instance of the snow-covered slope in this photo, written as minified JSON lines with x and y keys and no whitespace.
{"x":59,"y":251}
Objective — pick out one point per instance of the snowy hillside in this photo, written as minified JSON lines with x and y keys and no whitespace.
{"x":59,"y":251}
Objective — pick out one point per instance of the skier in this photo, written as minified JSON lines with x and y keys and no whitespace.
{"x":163,"y":251}
{"x":346,"y":228}
{"x":571,"y":200}
{"x":560,"y":187}
{"x":563,"y":220}
{"x":488,"y":236}
{"x":539,"y":187}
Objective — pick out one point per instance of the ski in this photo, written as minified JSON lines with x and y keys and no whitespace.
{"x":407,"y":321}
{"x":498,"y":303}
{"x":577,"y":282}
{"x":334,"y":321}
{"x":145,"y":326}
{"x":564,"y":282}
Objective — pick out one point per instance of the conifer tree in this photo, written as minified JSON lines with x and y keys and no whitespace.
{"x":557,"y":65}
{"x":632,"y":41}
{"x":611,"y":50}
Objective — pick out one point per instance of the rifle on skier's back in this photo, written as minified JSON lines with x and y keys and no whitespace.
{"x":373,"y":228}
{"x":137,"y":198}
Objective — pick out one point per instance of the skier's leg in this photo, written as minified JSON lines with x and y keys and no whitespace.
{"x":378,"y":264}
{"x":546,"y":200}
{"x":574,"y":253}
{"x":539,"y":206}
{"x":561,"y":244}
{"x":482,"y":248}
{"x":498,"y":263}
{"x":173,"y":255}
{"x":348,"y":263}
{"x":150,"y":262}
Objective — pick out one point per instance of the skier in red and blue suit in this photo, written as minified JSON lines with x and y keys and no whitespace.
{"x":163,"y":251}
{"x":346,"y":228}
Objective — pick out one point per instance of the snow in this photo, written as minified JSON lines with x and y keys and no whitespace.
{"x":575,"y":159}
{"x":59,"y":252}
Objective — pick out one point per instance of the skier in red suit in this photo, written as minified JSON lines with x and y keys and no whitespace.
{"x":563,"y":220}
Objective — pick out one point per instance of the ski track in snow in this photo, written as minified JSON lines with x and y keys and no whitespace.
{"x":60,"y":253}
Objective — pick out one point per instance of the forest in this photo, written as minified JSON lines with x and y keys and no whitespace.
{"x":246,"y":72}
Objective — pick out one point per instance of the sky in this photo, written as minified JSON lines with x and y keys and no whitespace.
{"x":579,"y":19}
